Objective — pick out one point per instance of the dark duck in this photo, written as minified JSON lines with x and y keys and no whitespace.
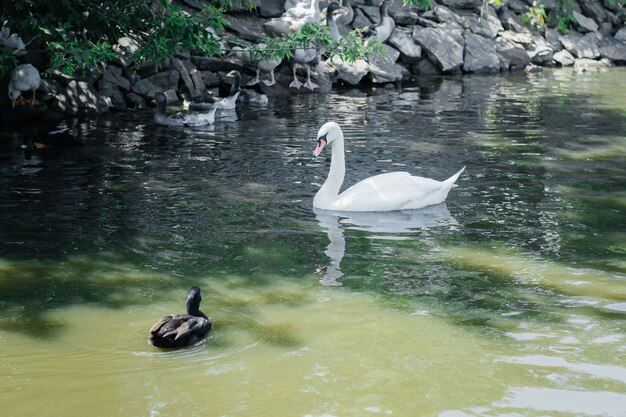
{"x":182,"y":329}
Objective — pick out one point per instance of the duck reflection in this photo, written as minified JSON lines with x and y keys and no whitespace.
{"x":394,"y":224}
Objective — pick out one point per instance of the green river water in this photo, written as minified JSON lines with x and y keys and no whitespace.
{"x":507,"y":300}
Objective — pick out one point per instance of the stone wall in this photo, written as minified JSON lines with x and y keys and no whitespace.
{"x":451,"y":38}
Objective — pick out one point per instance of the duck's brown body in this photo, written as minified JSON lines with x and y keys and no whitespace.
{"x":181,"y":329}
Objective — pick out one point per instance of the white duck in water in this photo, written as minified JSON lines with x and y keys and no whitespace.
{"x":23,"y":78}
{"x":180,"y":119}
{"x":384,"y":192}
{"x":229,"y":102}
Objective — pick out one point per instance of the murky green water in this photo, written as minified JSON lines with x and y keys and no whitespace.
{"x":508,"y":300}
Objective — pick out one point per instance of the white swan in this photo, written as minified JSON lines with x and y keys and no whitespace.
{"x":384,"y":192}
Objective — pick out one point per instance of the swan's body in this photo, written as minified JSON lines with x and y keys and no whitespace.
{"x":181,"y":329}
{"x":180,"y":119}
{"x":23,"y":78}
{"x":385,"y":192}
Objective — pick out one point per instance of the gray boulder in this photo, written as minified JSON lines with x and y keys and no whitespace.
{"x":482,"y":27}
{"x":114,"y":75}
{"x":383,"y":68}
{"x":613,"y":50}
{"x":184,"y":74}
{"x":350,"y":72}
{"x":401,"y":39}
{"x":135,"y":101}
{"x":524,"y":39}
{"x":584,"y":23}
{"x":80,"y":98}
{"x":511,"y":21}
{"x":242,"y":31}
{"x":165,"y":79}
{"x":360,"y":20}
{"x":118,"y":102}
{"x":372,"y":13}
{"x":210,"y":78}
{"x":271,"y":8}
{"x":205,"y":63}
{"x":443,"y":14}
{"x":518,"y":6}
{"x":586,"y":65}
{"x":564,"y":58}
{"x":425,"y":67}
{"x":540,"y":51}
{"x":593,"y":9}
{"x":480,"y":55}
{"x":197,"y":80}
{"x":146,"y":88}
{"x":403,"y":17}
{"x":463,"y":4}
{"x":442,"y":47}
{"x":516,"y":55}
{"x":581,"y":46}
{"x":48,"y":89}
{"x":552,"y":38}
{"x":621,"y":34}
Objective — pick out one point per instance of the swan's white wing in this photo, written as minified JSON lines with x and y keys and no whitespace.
{"x":392,"y":191}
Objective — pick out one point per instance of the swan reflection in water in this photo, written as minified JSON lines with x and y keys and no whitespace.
{"x":392,"y":223}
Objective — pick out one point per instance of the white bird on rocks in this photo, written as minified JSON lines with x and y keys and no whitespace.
{"x":294,"y":18}
{"x":23,"y":78}
{"x":267,"y":64}
{"x":384,"y":192}
{"x":306,"y":58}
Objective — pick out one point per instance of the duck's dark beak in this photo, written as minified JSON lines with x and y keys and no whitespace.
{"x":321,"y":142}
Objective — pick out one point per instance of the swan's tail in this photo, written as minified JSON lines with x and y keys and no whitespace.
{"x":453,"y":178}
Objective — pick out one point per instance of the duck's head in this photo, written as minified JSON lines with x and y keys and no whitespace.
{"x":14,"y":93}
{"x":193,"y":301}
{"x":328,"y":133}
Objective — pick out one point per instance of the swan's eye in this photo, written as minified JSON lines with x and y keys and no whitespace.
{"x":322,"y":138}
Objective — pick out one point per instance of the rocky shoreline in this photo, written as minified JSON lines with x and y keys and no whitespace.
{"x":451,"y":38}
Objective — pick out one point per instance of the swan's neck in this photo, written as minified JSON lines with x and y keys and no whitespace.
{"x":329,"y":192}
{"x":315,"y":6}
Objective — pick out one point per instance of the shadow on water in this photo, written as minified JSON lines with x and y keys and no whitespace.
{"x":544,"y":176}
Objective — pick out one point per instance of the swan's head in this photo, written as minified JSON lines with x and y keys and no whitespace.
{"x":193,"y":301}
{"x":328,"y":133}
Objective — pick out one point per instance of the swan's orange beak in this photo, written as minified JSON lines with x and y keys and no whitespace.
{"x":320,"y":147}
